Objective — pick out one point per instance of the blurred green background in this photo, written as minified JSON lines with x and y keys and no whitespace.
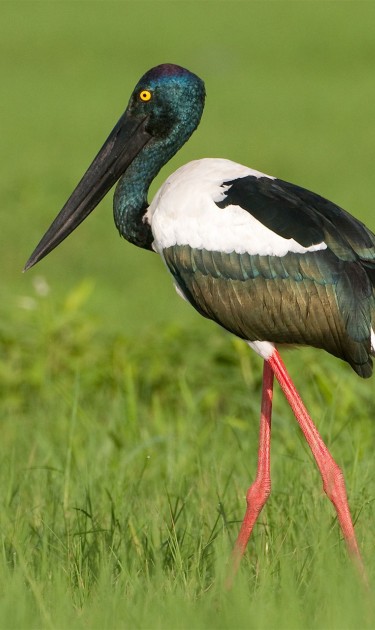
{"x":290,"y":88}
{"x":129,"y":423}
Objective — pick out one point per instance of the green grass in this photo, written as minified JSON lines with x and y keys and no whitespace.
{"x":129,"y":424}
{"x":124,"y":468}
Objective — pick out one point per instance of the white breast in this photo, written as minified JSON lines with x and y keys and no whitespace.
{"x":184,"y":212}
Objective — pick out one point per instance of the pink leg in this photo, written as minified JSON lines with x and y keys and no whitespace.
{"x":333,"y":480}
{"x":259,"y":491}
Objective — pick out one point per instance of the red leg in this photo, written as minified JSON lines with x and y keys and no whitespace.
{"x":333,"y":480}
{"x":259,"y":491}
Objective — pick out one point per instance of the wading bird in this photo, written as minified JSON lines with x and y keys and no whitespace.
{"x":269,"y":261}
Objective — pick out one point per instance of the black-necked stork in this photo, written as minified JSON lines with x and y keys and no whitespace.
{"x":269,"y":261}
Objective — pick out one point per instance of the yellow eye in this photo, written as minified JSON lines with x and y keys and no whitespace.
{"x":145,"y":95}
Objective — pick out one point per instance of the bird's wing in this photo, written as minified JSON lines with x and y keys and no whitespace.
{"x":294,"y":212}
{"x":324,"y":298}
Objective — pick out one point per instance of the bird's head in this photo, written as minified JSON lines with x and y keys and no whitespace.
{"x":171,"y":99}
{"x":164,"y":109}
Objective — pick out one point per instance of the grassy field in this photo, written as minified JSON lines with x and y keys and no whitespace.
{"x":129,"y":424}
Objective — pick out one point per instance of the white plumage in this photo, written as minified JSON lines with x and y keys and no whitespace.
{"x":184,"y":212}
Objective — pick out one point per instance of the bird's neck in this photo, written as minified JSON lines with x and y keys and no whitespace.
{"x":130,"y":202}
{"x":130,"y":199}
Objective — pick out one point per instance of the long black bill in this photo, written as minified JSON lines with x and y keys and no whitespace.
{"x":119,"y":150}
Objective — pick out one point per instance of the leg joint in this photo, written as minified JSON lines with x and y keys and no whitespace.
{"x":333,"y":480}
{"x":258,"y":493}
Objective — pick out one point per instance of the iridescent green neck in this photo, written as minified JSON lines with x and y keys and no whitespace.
{"x":130,"y":200}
